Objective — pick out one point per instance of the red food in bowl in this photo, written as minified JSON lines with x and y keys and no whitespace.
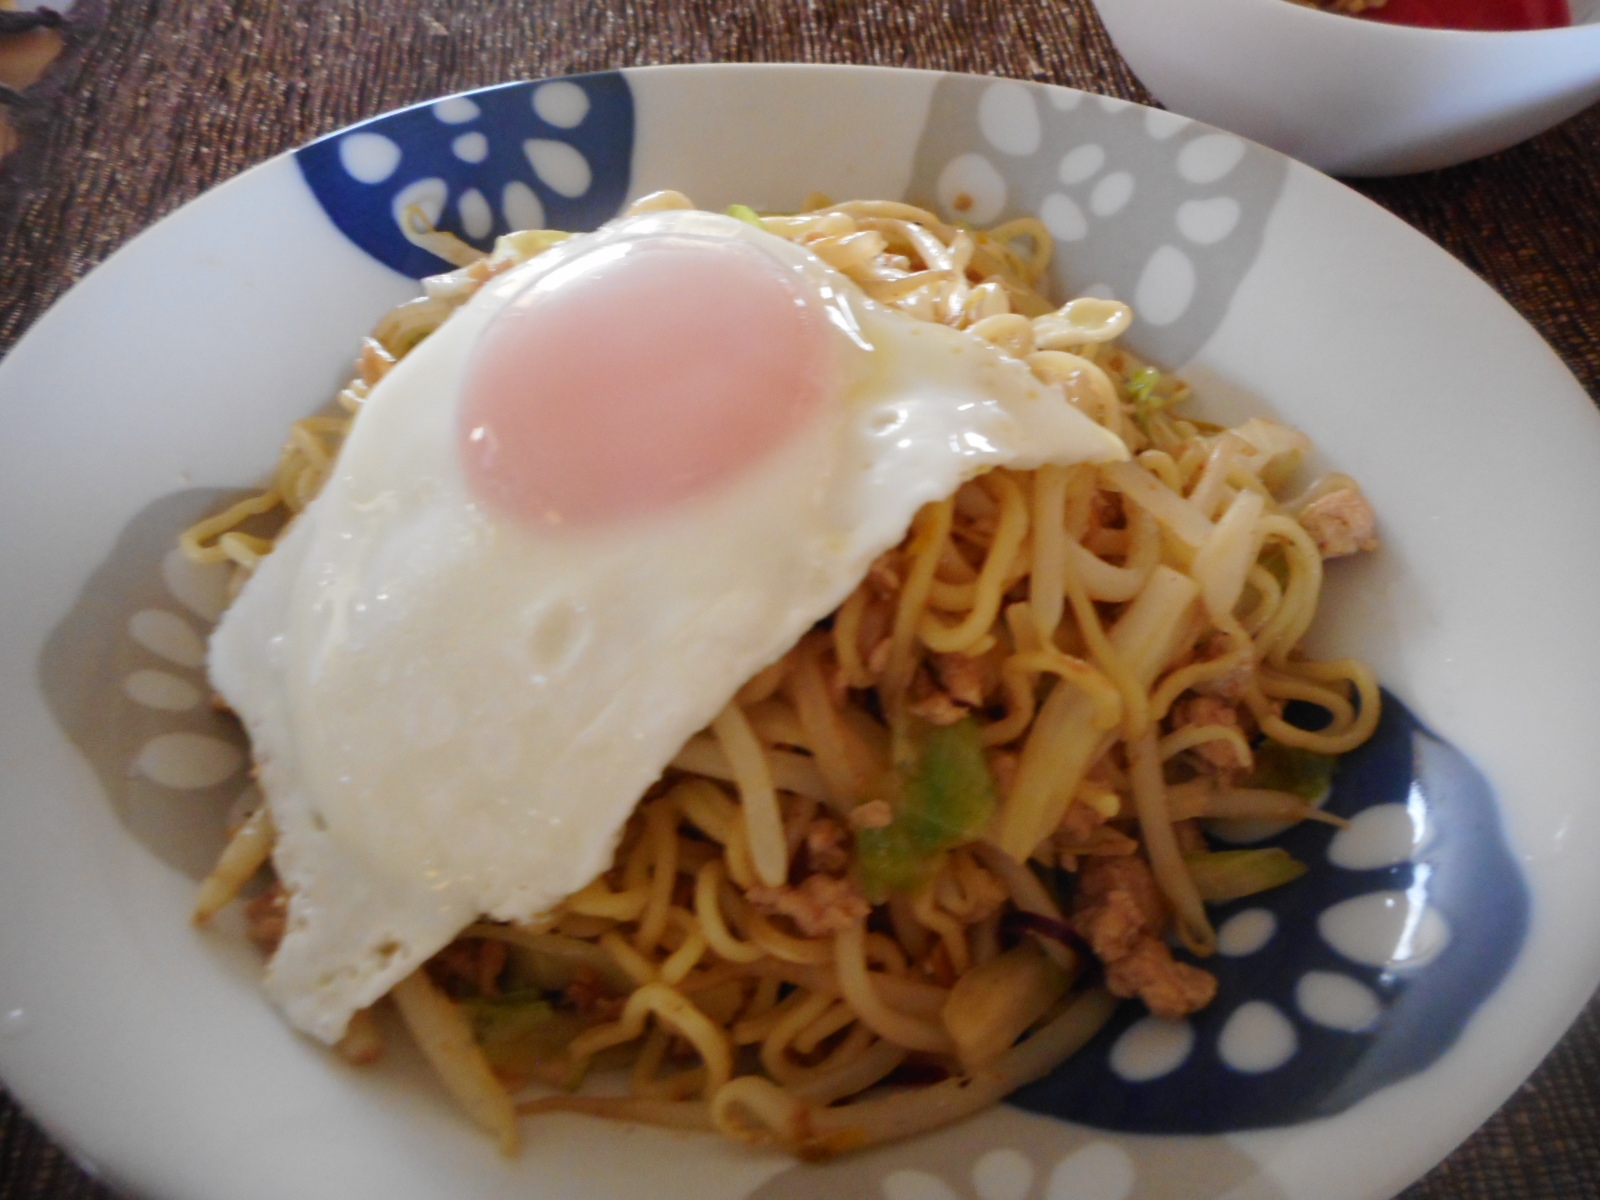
{"x":1474,"y":14}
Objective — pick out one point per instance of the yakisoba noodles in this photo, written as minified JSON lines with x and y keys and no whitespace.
{"x":942,"y":837}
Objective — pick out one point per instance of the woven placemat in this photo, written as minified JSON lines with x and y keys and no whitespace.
{"x":156,"y":101}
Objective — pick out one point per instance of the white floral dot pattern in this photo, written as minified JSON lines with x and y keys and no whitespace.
{"x":1166,"y":286}
{"x":471,"y":147}
{"x":369,"y":157}
{"x":1391,"y":929}
{"x":425,"y":198}
{"x":1099,"y":1171}
{"x":476,"y":216}
{"x":1381,"y":836}
{"x":188,"y":761}
{"x":1246,"y":932}
{"x":559,"y":166}
{"x":1064,"y":217}
{"x":161,"y":689}
{"x":1337,"y":1001}
{"x":1207,"y":222}
{"x":521,"y":206}
{"x":1151,"y":1048}
{"x":1100,"y":174}
{"x":1257,"y":1038}
{"x":971,"y":190}
{"x":456,"y":110}
{"x":1081,"y":163}
{"x":1009,"y":118}
{"x":1208,"y":159}
{"x":1003,"y":1174}
{"x":168,"y":635}
{"x":561,"y":103}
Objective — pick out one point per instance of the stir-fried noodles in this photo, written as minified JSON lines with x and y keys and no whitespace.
{"x":937,"y":841}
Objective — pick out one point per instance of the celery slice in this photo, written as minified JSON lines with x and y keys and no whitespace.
{"x":1231,"y":874}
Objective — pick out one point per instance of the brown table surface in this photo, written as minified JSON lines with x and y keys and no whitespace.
{"x":157,"y":100}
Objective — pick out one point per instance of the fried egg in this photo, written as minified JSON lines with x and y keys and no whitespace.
{"x":565,"y":529}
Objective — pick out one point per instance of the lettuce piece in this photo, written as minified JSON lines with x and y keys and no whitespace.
{"x":947,"y":798}
{"x":746,"y":214}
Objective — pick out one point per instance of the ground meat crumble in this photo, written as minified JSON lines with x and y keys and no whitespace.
{"x":1341,"y":523}
{"x":820,"y":905}
{"x":1121,"y":913}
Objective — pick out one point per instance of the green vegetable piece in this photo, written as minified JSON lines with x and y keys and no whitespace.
{"x":1230,"y":874}
{"x":746,"y":214}
{"x":888,"y":863}
{"x":1280,"y":768}
{"x":1141,"y":382}
{"x":524,"y":1036}
{"x":1145,"y":388}
{"x":950,"y":794}
{"x":513,"y":1017}
{"x":947,"y":797}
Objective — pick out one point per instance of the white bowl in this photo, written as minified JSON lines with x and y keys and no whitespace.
{"x":1357,"y":97}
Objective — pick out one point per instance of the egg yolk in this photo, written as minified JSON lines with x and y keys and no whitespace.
{"x":639,"y":376}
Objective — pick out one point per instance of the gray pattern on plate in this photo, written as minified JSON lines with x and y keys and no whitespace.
{"x":124,"y":675}
{"x":1146,"y":206}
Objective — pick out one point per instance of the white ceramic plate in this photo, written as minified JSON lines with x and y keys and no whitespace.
{"x":173,"y":370}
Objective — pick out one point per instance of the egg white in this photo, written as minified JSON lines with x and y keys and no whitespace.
{"x":454,"y":714}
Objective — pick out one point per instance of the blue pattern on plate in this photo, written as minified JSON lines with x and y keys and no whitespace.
{"x":556,"y":153}
{"x":1466,"y":874}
